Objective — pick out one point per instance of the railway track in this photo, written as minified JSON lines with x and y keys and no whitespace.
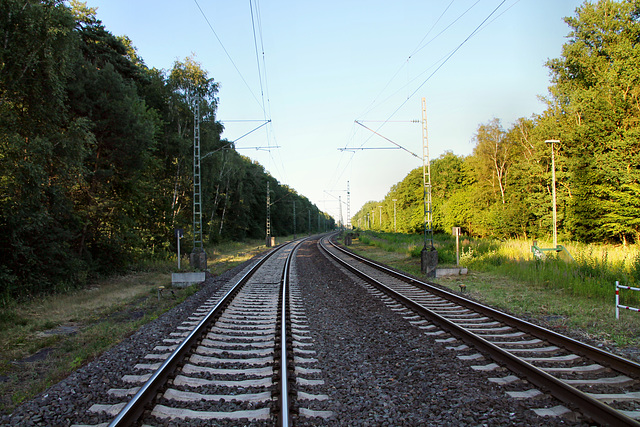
{"x":596,"y":385}
{"x":236,"y":359}
{"x":350,"y":359}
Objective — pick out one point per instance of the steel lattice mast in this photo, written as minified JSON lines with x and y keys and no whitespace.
{"x":197,"y":190}
{"x":426,"y":178}
{"x":268,"y":238}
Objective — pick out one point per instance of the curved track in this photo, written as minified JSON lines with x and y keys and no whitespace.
{"x":603,"y":387}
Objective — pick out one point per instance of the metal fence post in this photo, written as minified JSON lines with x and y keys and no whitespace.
{"x":617,"y":301}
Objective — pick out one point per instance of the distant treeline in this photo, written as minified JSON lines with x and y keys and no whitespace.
{"x":96,"y":155}
{"x":504,"y":188}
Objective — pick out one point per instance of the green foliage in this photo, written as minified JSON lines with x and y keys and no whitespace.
{"x":597,"y":85}
{"x":592,"y":275}
{"x":96,"y":155}
{"x":504,"y":188}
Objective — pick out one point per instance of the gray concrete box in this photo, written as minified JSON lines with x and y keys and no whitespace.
{"x":182,"y":280}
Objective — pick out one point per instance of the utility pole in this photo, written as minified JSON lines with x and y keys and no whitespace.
{"x":426,"y":177}
{"x":380,"y":221}
{"x":294,"y":220}
{"x":340,"y":220}
{"x":268,"y":239}
{"x":348,"y":207}
{"x":429,"y":257}
{"x":198,"y":256}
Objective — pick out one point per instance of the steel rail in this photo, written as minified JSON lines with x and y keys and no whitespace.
{"x":611,"y":360}
{"x":130,"y":414}
{"x":589,"y":406}
{"x":284,"y":416}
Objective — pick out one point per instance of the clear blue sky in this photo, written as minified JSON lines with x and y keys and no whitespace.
{"x":327,"y":64}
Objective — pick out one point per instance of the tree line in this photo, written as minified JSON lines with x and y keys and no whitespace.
{"x":96,"y":155}
{"x":504,"y":187}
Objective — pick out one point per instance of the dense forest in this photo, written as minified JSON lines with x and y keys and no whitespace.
{"x":504,"y":187}
{"x":96,"y":155}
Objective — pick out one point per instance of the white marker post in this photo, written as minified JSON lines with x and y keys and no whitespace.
{"x":179,"y":234}
{"x":456,"y":232}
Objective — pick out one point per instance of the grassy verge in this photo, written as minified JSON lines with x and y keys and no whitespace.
{"x":44,"y":340}
{"x":567,"y":296}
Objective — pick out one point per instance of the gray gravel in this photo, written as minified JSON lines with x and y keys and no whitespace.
{"x":378,"y":369}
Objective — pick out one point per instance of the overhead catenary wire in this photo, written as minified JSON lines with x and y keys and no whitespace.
{"x":448,"y":57}
{"x":226,"y":52}
{"x":265,"y":106}
{"x":432,"y":27}
{"x":418,"y":48}
{"x":255,"y":44}
{"x":438,"y":65}
{"x":340,"y":171}
{"x":443,"y":58}
{"x":258,"y":39}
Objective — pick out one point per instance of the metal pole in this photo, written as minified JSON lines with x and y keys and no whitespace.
{"x":197,"y":193}
{"x":617,"y":301}
{"x":348,"y":207}
{"x":394,"y":215}
{"x":380,"y":221}
{"x":268,"y":238}
{"x":341,"y":224}
{"x":178,"y":237}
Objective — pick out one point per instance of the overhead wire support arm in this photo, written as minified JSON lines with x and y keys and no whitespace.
{"x":237,"y":139}
{"x":384,"y":137}
{"x":387,"y":121}
{"x":259,"y":148}
{"x":253,"y":130}
{"x":368,"y":148}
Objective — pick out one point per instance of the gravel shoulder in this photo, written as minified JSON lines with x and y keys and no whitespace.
{"x":66,"y":403}
{"x":381,"y":370}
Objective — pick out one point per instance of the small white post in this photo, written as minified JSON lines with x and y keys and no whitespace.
{"x":178,"y":252}
{"x":456,"y":232}
{"x":179,"y":235}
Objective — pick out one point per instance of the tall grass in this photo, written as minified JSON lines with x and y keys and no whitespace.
{"x":592,"y":273}
{"x":393,"y":242}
